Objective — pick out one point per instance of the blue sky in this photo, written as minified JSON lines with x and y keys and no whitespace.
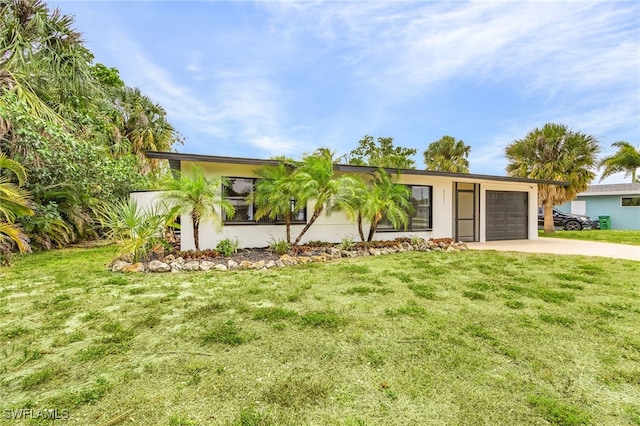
{"x":257,"y":79}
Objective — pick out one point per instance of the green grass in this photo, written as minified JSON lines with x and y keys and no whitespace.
{"x":462,"y":338}
{"x":603,"y":236}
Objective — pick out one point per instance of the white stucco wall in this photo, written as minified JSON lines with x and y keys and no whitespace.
{"x":146,"y":199}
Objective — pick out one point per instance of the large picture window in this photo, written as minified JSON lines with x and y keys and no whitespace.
{"x":421,"y":218}
{"x":237,"y":190}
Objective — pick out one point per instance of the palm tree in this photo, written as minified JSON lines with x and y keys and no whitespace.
{"x":275,"y":193}
{"x":201,"y":198}
{"x":143,"y":123}
{"x":554,"y":152}
{"x":316,"y":180}
{"x":42,"y":58}
{"x":447,"y":155}
{"x":390,"y":201}
{"x":626,"y":160}
{"x":134,"y":229}
{"x":14,"y":202}
{"x":352,"y":199}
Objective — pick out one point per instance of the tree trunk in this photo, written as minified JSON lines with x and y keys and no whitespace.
{"x":287,"y":224}
{"x":360,"y":231}
{"x":372,"y":229}
{"x":634,"y":178}
{"x":196,"y":231}
{"x":316,"y":214}
{"x":549,"y":226}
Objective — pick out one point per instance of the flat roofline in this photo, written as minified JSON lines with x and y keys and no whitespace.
{"x":201,"y":158}
{"x":612,"y":193}
{"x":368,"y":169}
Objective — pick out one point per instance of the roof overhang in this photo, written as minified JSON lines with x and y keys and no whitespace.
{"x":175,"y":157}
{"x":605,"y":193}
{"x":368,"y":169}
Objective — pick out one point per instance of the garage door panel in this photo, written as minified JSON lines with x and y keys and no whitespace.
{"x":507,"y":215}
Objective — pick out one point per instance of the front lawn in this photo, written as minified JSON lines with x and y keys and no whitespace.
{"x":464,"y":338}
{"x":604,"y":236}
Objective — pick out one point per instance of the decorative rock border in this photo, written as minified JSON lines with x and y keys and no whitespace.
{"x":172,"y":264}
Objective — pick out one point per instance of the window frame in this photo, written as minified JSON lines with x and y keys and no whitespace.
{"x":410,"y":227}
{"x":631,"y":197}
{"x":253,"y":208}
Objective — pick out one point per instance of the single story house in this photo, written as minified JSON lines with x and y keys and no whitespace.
{"x":620,"y":201}
{"x":467,"y":207}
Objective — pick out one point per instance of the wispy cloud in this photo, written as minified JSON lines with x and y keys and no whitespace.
{"x":286,"y":77}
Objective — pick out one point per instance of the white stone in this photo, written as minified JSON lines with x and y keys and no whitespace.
{"x":119,"y":265}
{"x":158,"y":266}
{"x":206,"y":265}
{"x":192,"y":265}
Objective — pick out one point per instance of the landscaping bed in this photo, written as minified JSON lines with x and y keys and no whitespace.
{"x":266,"y":258}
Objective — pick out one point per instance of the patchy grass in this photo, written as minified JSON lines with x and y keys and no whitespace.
{"x":599,"y":235}
{"x":456,"y":338}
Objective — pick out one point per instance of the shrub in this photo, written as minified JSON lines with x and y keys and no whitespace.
{"x":227,"y":247}
{"x":133,"y":229}
{"x":279,"y":246}
{"x":347,"y":243}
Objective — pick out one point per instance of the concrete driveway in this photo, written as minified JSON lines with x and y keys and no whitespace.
{"x":561,"y":246}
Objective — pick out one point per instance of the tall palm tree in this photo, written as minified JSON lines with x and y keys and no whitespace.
{"x":626,"y":160}
{"x":554,"y":152}
{"x":390,"y":201}
{"x":275,"y":193}
{"x":14,"y":202}
{"x":201,"y":198}
{"x":315,"y":180}
{"x":143,"y":124}
{"x":447,"y":155}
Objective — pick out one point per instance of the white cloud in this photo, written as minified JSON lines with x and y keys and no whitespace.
{"x":363,"y":63}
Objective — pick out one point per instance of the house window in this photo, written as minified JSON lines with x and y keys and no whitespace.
{"x":421,"y":218}
{"x":421,"y":200}
{"x":237,"y":190}
{"x":630,"y":201}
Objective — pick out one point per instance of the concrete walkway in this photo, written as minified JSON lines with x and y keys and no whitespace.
{"x":562,"y":246}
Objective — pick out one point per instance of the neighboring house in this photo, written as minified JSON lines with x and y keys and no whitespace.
{"x":620,"y":201}
{"x":467,"y":207}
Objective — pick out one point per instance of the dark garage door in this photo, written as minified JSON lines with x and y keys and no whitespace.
{"x":507,"y":214}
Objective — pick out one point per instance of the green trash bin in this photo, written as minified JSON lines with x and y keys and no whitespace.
{"x":605,"y":221}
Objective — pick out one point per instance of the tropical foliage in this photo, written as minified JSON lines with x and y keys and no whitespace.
{"x":626,"y":160}
{"x":275,"y":193}
{"x":14,"y":202}
{"x":381,"y":153}
{"x":353,"y":200}
{"x":554,"y":152}
{"x":136,"y":230}
{"x":315,"y":180}
{"x":76,"y":128}
{"x":447,"y":154}
{"x":389,"y":201}
{"x":201,"y":198}
{"x":378,"y":199}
